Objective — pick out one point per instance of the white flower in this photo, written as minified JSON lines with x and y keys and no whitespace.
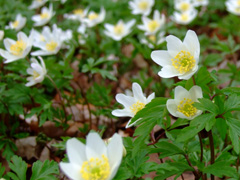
{"x":94,"y":18}
{"x":49,"y":42}
{"x":94,"y":160}
{"x":78,"y":14}
{"x":233,"y":6}
{"x":83,"y":35}
{"x":152,"y":40}
{"x":181,"y":58}
{"x":37,"y":72}
{"x":17,"y":49}
{"x":1,"y":34}
{"x":184,"y":5}
{"x":44,"y":17}
{"x":143,"y":7}
{"x":184,"y":17}
{"x":120,"y":30}
{"x":182,"y":104}
{"x":151,"y":26}
{"x":132,"y":104}
{"x":18,"y":24}
{"x":197,"y":3}
{"x":37,"y":3}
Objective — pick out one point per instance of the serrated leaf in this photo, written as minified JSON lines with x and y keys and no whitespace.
{"x":44,"y":170}
{"x":203,"y":121}
{"x":231,"y":90}
{"x":206,"y":105}
{"x":166,"y":170}
{"x":19,"y":168}
{"x":234,"y":133}
{"x":232,"y":103}
{"x":220,"y":169}
{"x":167,"y":149}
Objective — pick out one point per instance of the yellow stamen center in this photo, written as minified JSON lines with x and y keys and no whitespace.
{"x":137,"y":107}
{"x":143,"y":5}
{"x":237,"y":9}
{"x":238,"y":2}
{"x":44,"y":15}
{"x":183,"y":61}
{"x":184,"y":6}
{"x":152,"y":38}
{"x":95,"y":169}
{"x":51,"y":46}
{"x":186,"y":107}
{"x":39,"y":0}
{"x":15,"y":24}
{"x":118,"y":29}
{"x":184,"y":17}
{"x":35,"y":74}
{"x":78,"y":12}
{"x":153,"y":25}
{"x":93,"y":16}
{"x":18,"y":48}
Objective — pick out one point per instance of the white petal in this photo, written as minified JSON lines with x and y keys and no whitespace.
{"x":95,"y":147}
{"x":138,"y":93}
{"x":122,"y":113}
{"x":195,"y":93}
{"x":168,"y":72}
{"x":187,"y":75}
{"x":192,"y":43}
{"x":180,"y":93}
{"x":71,"y":170}
{"x":8,"y":42}
{"x":172,"y":107}
{"x":115,"y":153}
{"x":126,"y":101}
{"x":150,"y":97}
{"x":161,"y":57}
{"x":174,"y":45}
{"x":76,"y":151}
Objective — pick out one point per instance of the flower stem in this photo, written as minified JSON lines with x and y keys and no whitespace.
{"x":60,"y":95}
{"x":194,"y":81}
{"x":211,"y":149}
{"x":201,"y":146}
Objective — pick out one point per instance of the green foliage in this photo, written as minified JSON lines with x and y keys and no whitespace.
{"x":19,"y":168}
{"x":44,"y":170}
{"x":40,"y":170}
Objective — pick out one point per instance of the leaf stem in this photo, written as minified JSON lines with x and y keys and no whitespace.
{"x":60,"y":95}
{"x":201,"y":146}
{"x":190,"y":164}
{"x":211,"y":149}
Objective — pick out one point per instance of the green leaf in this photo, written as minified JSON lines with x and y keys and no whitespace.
{"x":2,"y":169}
{"x":152,"y":111}
{"x":206,"y":105}
{"x":166,"y":170}
{"x":220,"y":169}
{"x":187,"y":133}
{"x":232,"y":103}
{"x":234,"y":133}
{"x":205,"y":120}
{"x":19,"y":168}
{"x":44,"y":170}
{"x":167,"y":149}
{"x":231,"y":90}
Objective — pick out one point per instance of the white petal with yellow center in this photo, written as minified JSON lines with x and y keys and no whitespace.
{"x":18,"y":48}
{"x":95,"y":169}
